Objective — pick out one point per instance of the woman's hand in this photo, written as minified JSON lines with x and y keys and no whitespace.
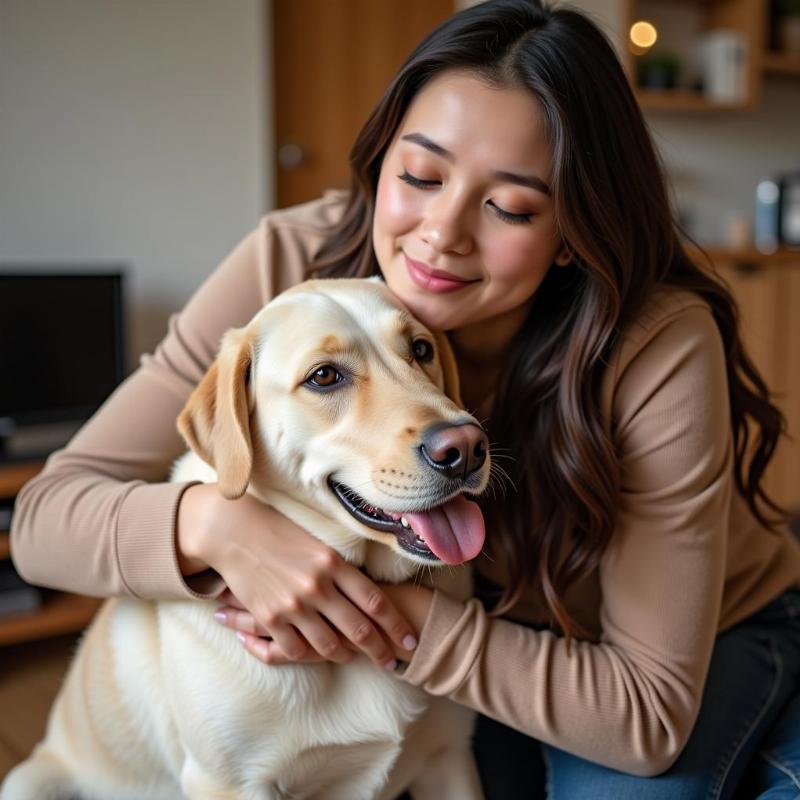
{"x":412,"y":601}
{"x":289,"y":585}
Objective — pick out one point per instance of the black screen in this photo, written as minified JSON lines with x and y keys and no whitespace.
{"x":61,"y":344}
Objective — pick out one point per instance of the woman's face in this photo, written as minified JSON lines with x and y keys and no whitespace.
{"x":463,"y":229}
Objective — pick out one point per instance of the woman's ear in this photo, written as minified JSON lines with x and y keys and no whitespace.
{"x":452,"y":385}
{"x":564,"y":256}
{"x":215,"y":422}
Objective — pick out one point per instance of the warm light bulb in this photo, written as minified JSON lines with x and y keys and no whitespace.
{"x":643,"y":35}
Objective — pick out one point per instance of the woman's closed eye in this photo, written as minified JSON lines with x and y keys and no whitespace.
{"x":419,"y":183}
{"x":506,"y":216}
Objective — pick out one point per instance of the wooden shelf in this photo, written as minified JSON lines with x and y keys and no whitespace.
{"x":61,"y":613}
{"x":14,"y":475}
{"x":742,"y":255}
{"x":12,"y":478}
{"x":747,"y":17}
{"x":786,"y":65}
{"x":682,"y":100}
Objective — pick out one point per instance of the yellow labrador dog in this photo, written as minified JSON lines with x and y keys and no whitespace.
{"x":332,"y":406}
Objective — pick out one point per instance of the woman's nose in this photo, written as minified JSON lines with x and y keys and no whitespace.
{"x":446,"y":227}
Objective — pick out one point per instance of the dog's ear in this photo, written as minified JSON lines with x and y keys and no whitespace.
{"x":452,"y":385}
{"x":215,"y":422}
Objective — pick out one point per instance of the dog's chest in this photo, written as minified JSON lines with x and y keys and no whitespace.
{"x":277,"y":710}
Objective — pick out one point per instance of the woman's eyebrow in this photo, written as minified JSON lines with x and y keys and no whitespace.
{"x":531,"y":181}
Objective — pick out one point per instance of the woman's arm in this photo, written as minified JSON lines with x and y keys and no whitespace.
{"x":628,"y":702}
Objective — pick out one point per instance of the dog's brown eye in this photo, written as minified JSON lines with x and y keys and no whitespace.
{"x":325,"y":376}
{"x":422,"y":350}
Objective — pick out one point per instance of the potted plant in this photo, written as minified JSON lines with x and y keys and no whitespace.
{"x":659,"y":71}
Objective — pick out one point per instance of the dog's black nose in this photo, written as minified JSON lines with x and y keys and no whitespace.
{"x":456,"y":451}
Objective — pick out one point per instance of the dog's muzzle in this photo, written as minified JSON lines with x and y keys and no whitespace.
{"x":443,"y":525}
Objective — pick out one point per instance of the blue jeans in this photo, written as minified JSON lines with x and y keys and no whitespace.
{"x":745,"y":743}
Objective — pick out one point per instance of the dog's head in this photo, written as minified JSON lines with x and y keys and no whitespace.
{"x":337,"y":397}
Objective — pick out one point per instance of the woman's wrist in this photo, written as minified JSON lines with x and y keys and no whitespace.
{"x":191,"y":535}
{"x":413,"y":602}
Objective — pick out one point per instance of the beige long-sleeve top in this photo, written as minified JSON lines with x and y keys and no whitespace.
{"x":687,"y":558}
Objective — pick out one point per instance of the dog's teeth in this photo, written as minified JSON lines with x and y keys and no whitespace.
{"x":404,"y":522}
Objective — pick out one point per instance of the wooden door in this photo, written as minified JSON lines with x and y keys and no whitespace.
{"x":333,"y":60}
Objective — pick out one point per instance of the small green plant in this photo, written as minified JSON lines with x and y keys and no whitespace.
{"x":659,"y":71}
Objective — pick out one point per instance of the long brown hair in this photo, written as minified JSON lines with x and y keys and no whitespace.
{"x":612,"y":210}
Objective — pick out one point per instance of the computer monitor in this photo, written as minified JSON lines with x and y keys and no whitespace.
{"x":61,"y":344}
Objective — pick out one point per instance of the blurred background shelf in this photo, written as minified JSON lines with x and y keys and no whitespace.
{"x":682,"y":101}
{"x":677,"y":53}
{"x":785,"y":65}
{"x":60,"y":612}
{"x":13,"y":475}
{"x":746,"y":255}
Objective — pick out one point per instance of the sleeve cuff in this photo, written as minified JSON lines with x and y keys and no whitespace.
{"x":437,"y":638}
{"x":145,"y":544}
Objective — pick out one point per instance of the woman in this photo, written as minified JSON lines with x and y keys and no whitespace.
{"x":507,"y":190}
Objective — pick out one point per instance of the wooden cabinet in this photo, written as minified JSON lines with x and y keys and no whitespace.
{"x":767,"y":290}
{"x":60,"y":612}
{"x":683,"y":22}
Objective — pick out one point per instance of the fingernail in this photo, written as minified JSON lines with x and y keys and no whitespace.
{"x":220,"y":616}
{"x":391,"y":665}
{"x":241,"y":637}
{"x":409,"y":643}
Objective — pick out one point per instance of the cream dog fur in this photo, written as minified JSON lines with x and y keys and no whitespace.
{"x":330,"y":390}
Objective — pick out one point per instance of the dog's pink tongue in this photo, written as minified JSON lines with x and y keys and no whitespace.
{"x":454,"y":531}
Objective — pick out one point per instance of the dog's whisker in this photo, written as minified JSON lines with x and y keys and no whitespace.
{"x":500,"y":476}
{"x":495,"y":484}
{"x":498,"y":486}
{"x":498,"y":469}
{"x":506,"y":455}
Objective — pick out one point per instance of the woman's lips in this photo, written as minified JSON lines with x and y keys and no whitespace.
{"x":433,"y":280}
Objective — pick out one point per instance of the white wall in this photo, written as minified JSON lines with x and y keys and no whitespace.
{"x":133,"y":131}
